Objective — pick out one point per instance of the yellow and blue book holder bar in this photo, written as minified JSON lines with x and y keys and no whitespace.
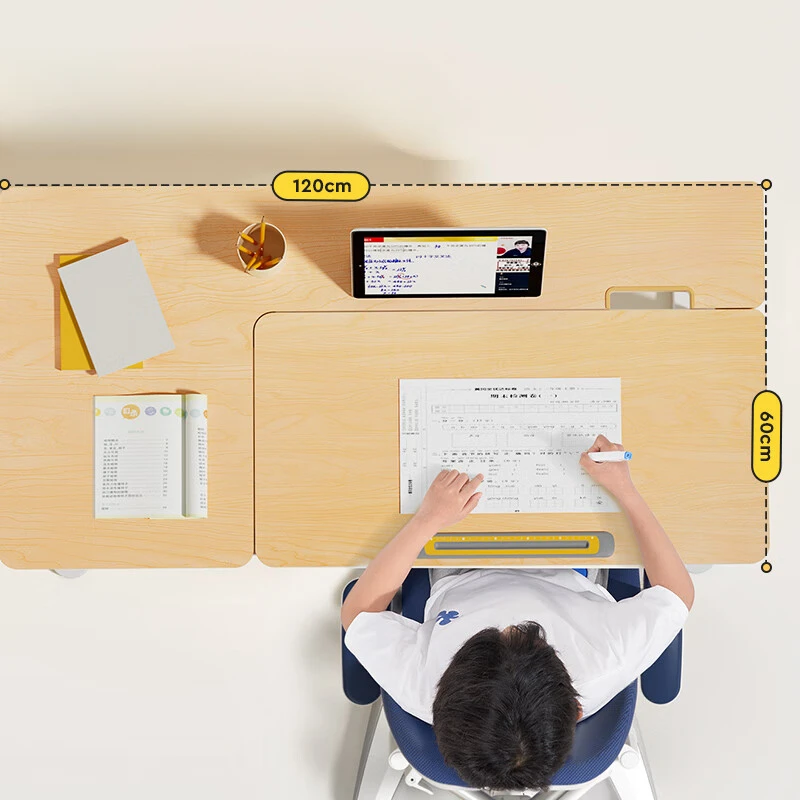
{"x":519,"y":545}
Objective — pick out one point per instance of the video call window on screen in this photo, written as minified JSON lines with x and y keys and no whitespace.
{"x":474,"y":263}
{"x":513,"y":264}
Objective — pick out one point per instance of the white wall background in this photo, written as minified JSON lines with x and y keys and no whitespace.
{"x":225,"y":684}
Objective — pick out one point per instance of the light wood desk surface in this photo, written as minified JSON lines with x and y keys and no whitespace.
{"x":707,"y":238}
{"x":327,"y":456}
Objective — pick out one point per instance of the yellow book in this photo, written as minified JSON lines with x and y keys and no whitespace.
{"x":74,"y":354}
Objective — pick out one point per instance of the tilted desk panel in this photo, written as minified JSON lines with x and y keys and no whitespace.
{"x":326,"y":414}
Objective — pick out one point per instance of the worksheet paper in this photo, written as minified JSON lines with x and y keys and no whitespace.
{"x":525,"y":436}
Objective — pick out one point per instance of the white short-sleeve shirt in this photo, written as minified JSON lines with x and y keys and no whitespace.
{"x":604,"y":644}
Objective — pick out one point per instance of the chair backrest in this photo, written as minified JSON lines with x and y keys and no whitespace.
{"x":598,"y":739}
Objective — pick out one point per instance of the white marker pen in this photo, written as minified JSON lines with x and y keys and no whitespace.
{"x":611,"y":455}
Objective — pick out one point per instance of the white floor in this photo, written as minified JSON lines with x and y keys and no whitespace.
{"x":226,"y":683}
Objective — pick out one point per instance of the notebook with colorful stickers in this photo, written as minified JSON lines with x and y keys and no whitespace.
{"x":151,"y":456}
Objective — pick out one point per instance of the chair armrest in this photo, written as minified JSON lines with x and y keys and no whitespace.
{"x":661,"y":683}
{"x":359,"y":686}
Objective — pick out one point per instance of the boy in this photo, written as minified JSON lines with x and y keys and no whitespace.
{"x":507,"y":660}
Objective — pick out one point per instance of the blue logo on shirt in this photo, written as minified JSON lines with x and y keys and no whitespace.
{"x":446,"y":617}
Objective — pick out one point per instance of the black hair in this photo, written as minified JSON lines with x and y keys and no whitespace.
{"x":520,"y":241}
{"x":505,"y":710}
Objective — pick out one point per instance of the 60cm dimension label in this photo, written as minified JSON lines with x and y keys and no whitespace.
{"x":321,"y":186}
{"x":767,"y":429}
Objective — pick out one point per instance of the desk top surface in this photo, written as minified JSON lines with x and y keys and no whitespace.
{"x":709,"y":239}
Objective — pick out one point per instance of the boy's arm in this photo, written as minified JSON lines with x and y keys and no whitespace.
{"x":449,"y":499}
{"x":661,"y":561}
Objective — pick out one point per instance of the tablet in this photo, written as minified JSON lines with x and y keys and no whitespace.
{"x":456,"y":262}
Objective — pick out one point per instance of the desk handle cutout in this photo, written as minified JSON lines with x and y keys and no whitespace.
{"x":678,"y":297}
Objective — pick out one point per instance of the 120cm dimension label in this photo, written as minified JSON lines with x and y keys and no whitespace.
{"x":321,"y":186}
{"x":767,"y":429}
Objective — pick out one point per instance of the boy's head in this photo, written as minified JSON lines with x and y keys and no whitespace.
{"x":505,"y":710}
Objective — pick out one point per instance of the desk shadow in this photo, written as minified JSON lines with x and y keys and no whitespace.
{"x":211,"y":149}
{"x":216,"y":236}
{"x":178,"y":390}
{"x":322,"y":231}
{"x":52,"y":271}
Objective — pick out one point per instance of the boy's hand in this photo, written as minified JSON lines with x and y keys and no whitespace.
{"x":450,"y":498}
{"x":615,"y":476}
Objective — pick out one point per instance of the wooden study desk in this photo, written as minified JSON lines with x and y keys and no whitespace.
{"x":709,"y":239}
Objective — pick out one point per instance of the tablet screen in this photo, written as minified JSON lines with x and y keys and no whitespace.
{"x":416,"y":263}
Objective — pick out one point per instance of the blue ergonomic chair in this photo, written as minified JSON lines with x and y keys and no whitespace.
{"x":607,"y":746}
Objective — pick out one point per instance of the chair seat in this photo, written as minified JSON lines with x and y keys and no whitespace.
{"x":598,"y":741}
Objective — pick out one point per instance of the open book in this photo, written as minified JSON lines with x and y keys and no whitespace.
{"x":151,"y":456}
